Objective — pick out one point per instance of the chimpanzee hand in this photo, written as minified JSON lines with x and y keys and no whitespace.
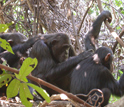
{"x":86,"y":54}
{"x":107,"y":15}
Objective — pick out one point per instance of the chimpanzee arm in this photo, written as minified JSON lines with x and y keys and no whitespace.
{"x":121,"y":82}
{"x":98,"y":22}
{"x":66,"y":67}
{"x":94,"y":32}
{"x":72,"y":51}
{"x":107,"y":80}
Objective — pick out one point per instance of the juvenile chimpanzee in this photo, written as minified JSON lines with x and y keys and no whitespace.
{"x":94,"y":32}
{"x":52,"y":53}
{"x":94,"y":72}
{"x":13,"y":39}
{"x":13,"y":59}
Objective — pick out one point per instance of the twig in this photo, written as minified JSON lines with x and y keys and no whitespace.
{"x":30,"y":7}
{"x":18,"y":23}
{"x":42,"y":82}
{"x":114,"y":34}
{"x":77,"y":44}
{"x":8,"y":2}
{"x":114,"y":9}
{"x":111,"y":2}
{"x":115,"y":45}
{"x":90,"y":4}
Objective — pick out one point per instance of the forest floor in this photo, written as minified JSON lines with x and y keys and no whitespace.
{"x":4,"y":102}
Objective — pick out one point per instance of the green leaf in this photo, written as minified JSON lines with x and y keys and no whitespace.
{"x":3,"y":27}
{"x":28,"y":65}
{"x":9,"y":24}
{"x":4,"y":79}
{"x":5,"y":45}
{"x":122,"y":11}
{"x":42,"y":92}
{"x":24,"y":93}
{"x":113,"y":98}
{"x":17,"y":27}
{"x":121,"y":72}
{"x":74,"y":13}
{"x":18,"y":76}
{"x":118,"y":27}
{"x":118,"y":3}
{"x":13,"y":88}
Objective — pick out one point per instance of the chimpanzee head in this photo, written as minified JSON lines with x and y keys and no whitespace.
{"x":59,"y":45}
{"x":104,"y":55}
{"x":13,"y":39}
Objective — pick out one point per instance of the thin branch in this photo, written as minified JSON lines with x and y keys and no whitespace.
{"x":8,"y":2}
{"x":90,"y":4}
{"x":42,"y":82}
{"x":115,"y":45}
{"x":18,"y":23}
{"x":77,"y":43}
{"x":30,"y":7}
{"x":114,"y":9}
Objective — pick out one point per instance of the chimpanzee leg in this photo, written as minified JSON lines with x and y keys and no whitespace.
{"x":107,"y":94}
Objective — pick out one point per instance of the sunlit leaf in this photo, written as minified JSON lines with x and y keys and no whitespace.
{"x":118,"y":3}
{"x":17,"y":27}
{"x":18,"y":76}
{"x":74,"y":13}
{"x":118,"y":27}
{"x":113,"y":98}
{"x":13,"y":88}
{"x":3,"y":27}
{"x":9,"y":24}
{"x":122,"y":11}
{"x":42,"y":92}
{"x":24,"y":93}
{"x":5,"y":45}
{"x":4,"y":79}
{"x":28,"y":65}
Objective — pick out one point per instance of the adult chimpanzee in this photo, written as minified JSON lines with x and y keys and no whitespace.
{"x":94,"y":72}
{"x":52,"y":53}
{"x":19,"y":50}
{"x":94,"y":32}
{"x":13,"y":39}
{"x":13,"y":59}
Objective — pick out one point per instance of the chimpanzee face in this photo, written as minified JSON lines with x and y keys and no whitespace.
{"x":61,"y":51}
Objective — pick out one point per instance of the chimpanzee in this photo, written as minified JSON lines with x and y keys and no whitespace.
{"x":94,"y":32}
{"x":53,"y":55}
{"x":19,"y":50}
{"x":94,"y":72}
{"x":13,"y":59}
{"x":13,"y":39}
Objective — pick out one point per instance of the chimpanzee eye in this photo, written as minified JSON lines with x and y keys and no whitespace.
{"x":66,"y":47}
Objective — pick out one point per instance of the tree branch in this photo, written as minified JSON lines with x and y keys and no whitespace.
{"x":115,"y":45}
{"x":114,"y":34}
{"x":42,"y":82}
{"x":90,"y":4}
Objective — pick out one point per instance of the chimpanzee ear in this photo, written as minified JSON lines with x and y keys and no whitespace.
{"x":10,"y":41}
{"x":107,"y":57}
{"x":54,"y":42}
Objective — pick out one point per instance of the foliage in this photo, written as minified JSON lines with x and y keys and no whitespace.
{"x":113,"y":98}
{"x":19,"y":85}
{"x":3,"y":43}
